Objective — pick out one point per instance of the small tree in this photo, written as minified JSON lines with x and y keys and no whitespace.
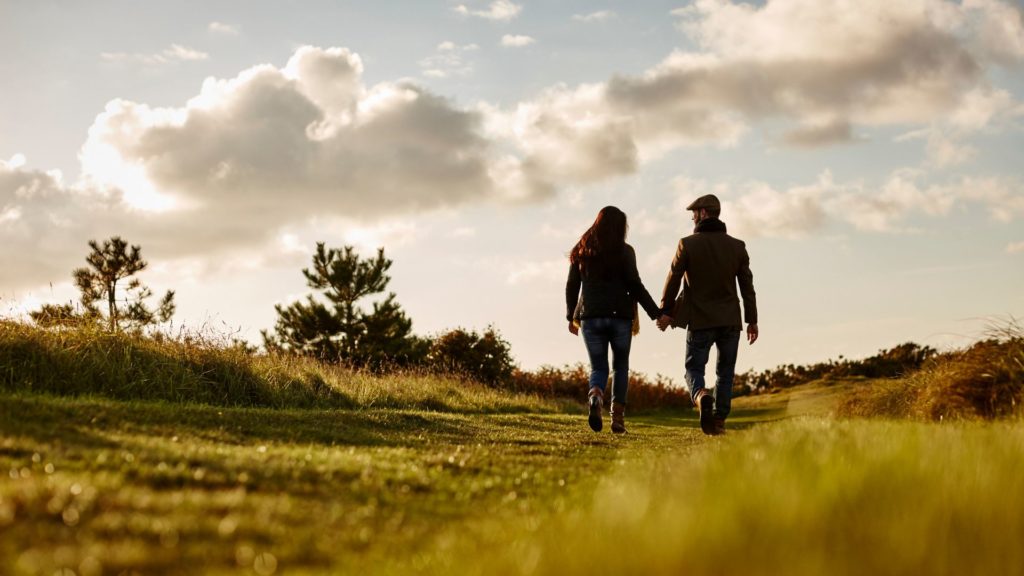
{"x":109,"y":264}
{"x":341,"y":330}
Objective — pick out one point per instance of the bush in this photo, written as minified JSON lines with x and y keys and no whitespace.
{"x":571,"y":382}
{"x":894,"y":362}
{"x":485,"y":358}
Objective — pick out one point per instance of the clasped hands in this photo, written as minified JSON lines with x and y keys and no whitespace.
{"x":663,"y":322}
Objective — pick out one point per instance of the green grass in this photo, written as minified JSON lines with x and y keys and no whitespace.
{"x":165,"y":488}
{"x":120,"y":455}
{"x":160,"y":487}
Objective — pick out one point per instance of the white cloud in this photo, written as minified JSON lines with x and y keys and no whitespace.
{"x":248,"y":158}
{"x":1003,"y":197}
{"x":599,"y":16}
{"x":945,"y":151}
{"x":225,"y":29}
{"x":760,"y":210}
{"x":998,"y":29}
{"x":820,"y":69}
{"x":311,"y":130}
{"x":874,"y":62}
{"x":886,"y":208}
{"x":1015,"y":248}
{"x":570,"y":135}
{"x":449,"y":59}
{"x":16,"y":161}
{"x":546,"y":271}
{"x":517,"y":40}
{"x":814,"y":135}
{"x":497,"y":10}
{"x":170,"y":55}
{"x":757,"y":209}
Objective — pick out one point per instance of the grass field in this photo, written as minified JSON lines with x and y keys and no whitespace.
{"x":121,"y":455}
{"x":96,"y":486}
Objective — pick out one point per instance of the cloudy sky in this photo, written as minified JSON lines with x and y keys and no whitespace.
{"x":868,"y":151}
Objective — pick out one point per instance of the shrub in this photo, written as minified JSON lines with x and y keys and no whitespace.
{"x":485,"y":358}
{"x":894,"y":362}
{"x":571,"y":382}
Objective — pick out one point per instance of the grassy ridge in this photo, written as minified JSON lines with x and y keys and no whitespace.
{"x":85,"y":362}
{"x":984,"y":381}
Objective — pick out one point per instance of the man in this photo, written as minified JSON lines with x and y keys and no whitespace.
{"x":710,"y":262}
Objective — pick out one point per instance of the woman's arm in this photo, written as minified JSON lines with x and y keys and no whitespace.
{"x":636,"y":286}
{"x":572,"y":291}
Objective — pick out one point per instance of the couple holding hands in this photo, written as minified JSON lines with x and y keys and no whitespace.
{"x":604,"y":289}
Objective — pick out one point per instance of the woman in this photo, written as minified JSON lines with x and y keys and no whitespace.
{"x":605,"y":267}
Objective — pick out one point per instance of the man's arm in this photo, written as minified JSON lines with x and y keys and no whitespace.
{"x":672,"y":284}
{"x":673,"y":281}
{"x":746,"y":282}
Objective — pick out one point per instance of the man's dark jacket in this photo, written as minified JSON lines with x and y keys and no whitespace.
{"x":612,"y":293}
{"x":710,"y":262}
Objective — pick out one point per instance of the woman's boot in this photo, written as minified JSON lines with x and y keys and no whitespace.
{"x":618,"y":417}
{"x":596,"y":402}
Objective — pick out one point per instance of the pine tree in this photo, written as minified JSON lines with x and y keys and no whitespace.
{"x":109,"y":264}
{"x":340,"y":330}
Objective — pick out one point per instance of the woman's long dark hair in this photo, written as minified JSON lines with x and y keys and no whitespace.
{"x":602,"y":244}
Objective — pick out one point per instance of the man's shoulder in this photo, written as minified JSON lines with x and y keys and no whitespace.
{"x":715,"y":238}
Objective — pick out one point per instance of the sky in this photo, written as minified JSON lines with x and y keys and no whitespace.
{"x":868,"y":152}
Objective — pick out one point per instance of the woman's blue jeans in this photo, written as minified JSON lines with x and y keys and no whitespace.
{"x":598,"y":335}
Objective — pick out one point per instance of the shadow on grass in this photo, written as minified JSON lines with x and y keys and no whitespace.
{"x":739,"y":419}
{"x":93,"y":422}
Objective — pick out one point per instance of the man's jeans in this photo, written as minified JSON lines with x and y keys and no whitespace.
{"x":698,"y":347}
{"x":598,"y":334}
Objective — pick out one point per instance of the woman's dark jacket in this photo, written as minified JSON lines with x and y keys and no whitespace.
{"x":609,"y":291}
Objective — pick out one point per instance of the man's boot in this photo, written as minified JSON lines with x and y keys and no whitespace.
{"x":706,"y":405}
{"x":719,"y":425}
{"x":596,"y":403}
{"x":618,"y":417}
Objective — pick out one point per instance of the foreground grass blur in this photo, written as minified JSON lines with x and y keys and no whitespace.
{"x":803,"y":497}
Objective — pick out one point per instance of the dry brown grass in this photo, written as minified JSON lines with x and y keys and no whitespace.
{"x":984,"y":381}
{"x":193,"y":368}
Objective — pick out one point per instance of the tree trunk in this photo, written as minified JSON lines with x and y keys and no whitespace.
{"x":112,"y":305}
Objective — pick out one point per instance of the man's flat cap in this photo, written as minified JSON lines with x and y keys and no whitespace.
{"x":708,"y":201}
